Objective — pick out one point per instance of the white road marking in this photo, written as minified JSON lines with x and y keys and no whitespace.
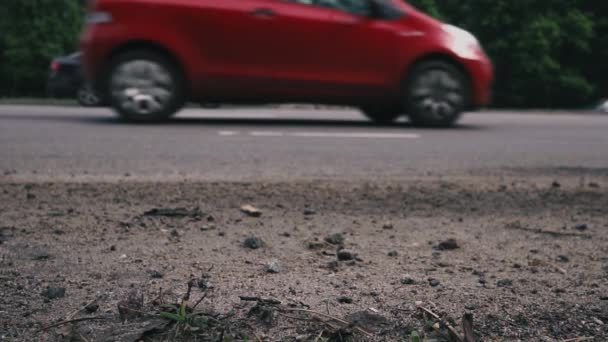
{"x":363,"y":135}
{"x":267,"y":134}
{"x":228,"y":133}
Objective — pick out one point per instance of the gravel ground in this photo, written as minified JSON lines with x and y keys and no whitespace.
{"x":528,"y":258}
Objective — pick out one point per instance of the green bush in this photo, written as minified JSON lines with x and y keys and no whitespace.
{"x":32,"y":32}
{"x":542,"y":50}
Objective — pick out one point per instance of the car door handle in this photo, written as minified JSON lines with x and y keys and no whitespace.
{"x":263,"y":12}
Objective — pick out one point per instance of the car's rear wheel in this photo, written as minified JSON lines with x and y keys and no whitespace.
{"x":145,"y":86}
{"x":383,"y":114}
{"x":87,"y":97}
{"x":435,"y":94}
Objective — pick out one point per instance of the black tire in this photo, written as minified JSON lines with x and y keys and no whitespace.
{"x":153,"y":102}
{"x":435,"y":94}
{"x":383,"y":114}
{"x":87,"y":97}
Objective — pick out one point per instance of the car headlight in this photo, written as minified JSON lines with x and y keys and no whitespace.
{"x":462,"y":42}
{"x":98,"y":17}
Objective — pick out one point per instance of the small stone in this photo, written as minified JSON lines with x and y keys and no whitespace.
{"x":309,"y":212}
{"x":207,"y":227}
{"x":447,"y":245}
{"x":434,"y":282}
{"x":581,"y":227}
{"x":175,"y":233}
{"x":504,"y":283}
{"x":594,"y":185}
{"x":556,"y":185}
{"x":251,"y":210}
{"x":156,"y":275}
{"x":603,"y":297}
{"x":335,"y":239}
{"x":273,"y":266}
{"x":112,"y":248}
{"x":253,"y":242}
{"x":345,"y":255}
{"x":470,"y":307}
{"x":563,"y":258}
{"x":408,"y":280}
{"x":58,"y":232}
{"x":30,"y":196}
{"x":345,"y":300}
{"x":387,"y":226}
{"x":42,"y":256}
{"x":54,"y":292}
{"x":91,"y":308}
{"x":393,"y":254}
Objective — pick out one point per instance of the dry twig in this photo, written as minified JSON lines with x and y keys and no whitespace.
{"x":451,"y":329}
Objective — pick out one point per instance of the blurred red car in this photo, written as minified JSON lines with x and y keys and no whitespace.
{"x":148,"y":57}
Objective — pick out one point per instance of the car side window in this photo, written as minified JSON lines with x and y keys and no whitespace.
{"x":358,"y":7}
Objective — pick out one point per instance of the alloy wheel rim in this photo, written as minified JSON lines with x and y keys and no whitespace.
{"x":143,"y":87}
{"x":87,"y":96}
{"x":438,"y":94}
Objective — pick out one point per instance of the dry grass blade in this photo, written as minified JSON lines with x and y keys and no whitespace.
{"x":450,"y":328}
{"x":70,"y":321}
{"x":345,"y":323}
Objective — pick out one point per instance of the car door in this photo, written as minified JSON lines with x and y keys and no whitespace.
{"x":363,"y":58}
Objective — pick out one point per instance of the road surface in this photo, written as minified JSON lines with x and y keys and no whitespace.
{"x":283,"y":144}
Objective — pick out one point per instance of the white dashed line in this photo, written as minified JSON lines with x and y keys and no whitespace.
{"x":362,"y":135}
{"x":228,"y":133}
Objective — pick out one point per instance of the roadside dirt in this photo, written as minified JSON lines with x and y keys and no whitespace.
{"x":528,"y":259}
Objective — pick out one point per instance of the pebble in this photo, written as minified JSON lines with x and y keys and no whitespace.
{"x":447,"y":245}
{"x":91,"y":308}
{"x":387,"y":226}
{"x":434,"y":282}
{"x":345,"y":255}
{"x":251,"y":211}
{"x":253,"y":242}
{"x":335,"y":239}
{"x":345,"y":300}
{"x":393,"y":254}
{"x":309,"y":212}
{"x":156,"y":275}
{"x":581,"y":227}
{"x":408,"y":280}
{"x":54,"y":292}
{"x":563,"y":258}
{"x":273,"y":266}
{"x":504,"y":283}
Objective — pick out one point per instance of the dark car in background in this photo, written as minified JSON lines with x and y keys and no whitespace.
{"x":66,"y":79}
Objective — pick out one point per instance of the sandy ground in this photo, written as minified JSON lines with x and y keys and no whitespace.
{"x":529,"y":260}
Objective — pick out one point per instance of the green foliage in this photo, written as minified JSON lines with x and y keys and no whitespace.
{"x":32,"y":32}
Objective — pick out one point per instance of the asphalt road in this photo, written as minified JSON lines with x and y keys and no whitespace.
{"x":281,"y":144}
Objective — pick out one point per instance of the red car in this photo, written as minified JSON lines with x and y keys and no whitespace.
{"x":148,"y":57}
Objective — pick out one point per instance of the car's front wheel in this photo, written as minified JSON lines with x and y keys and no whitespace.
{"x":145,"y":86}
{"x":435,"y":94}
